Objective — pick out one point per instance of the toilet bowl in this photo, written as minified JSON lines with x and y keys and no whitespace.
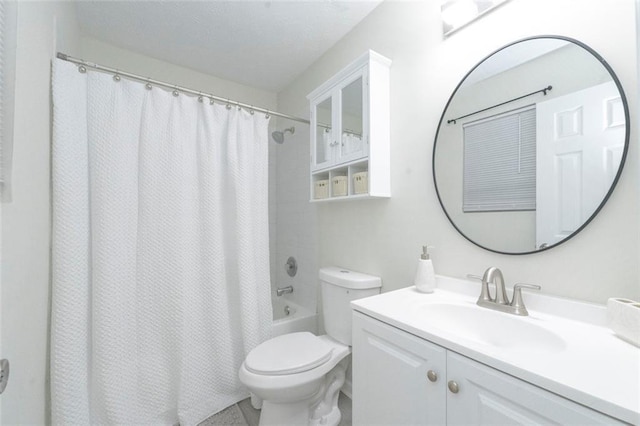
{"x":297,"y":377}
{"x":294,"y":393}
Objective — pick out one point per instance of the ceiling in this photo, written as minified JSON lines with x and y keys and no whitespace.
{"x":263,"y":44}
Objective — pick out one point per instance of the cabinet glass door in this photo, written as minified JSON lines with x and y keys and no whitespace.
{"x":324,"y":144}
{"x":352,"y":139}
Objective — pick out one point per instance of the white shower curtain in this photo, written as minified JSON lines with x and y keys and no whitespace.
{"x":160,"y":255}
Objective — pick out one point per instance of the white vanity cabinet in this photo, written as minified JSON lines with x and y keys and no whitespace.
{"x":402,"y":379}
{"x":350,"y":132}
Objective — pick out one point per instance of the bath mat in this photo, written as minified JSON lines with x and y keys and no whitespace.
{"x":229,"y":416}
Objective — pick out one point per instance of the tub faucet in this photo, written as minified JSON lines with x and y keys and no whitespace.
{"x":284,"y":290}
{"x":501,"y":301}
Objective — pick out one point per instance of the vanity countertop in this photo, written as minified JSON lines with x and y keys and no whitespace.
{"x":586,"y":362}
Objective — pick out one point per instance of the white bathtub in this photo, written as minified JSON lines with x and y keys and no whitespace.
{"x":289,"y":317}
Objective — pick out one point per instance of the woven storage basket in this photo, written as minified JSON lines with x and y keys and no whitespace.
{"x":361,"y":183}
{"x":321,"y":189}
{"x":339,"y":186}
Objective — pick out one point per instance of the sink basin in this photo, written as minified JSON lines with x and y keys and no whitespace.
{"x":491,"y":328}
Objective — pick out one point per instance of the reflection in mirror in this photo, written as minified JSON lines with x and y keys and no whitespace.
{"x":352,"y":118}
{"x":323,"y":132}
{"x":530,"y":145}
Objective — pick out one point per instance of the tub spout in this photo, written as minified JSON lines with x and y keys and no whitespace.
{"x":284,"y":290}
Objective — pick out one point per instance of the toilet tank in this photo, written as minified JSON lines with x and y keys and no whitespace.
{"x":339,"y":287}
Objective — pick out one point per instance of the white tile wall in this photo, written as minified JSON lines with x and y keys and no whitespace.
{"x":294,"y":232}
{"x":273,"y":210}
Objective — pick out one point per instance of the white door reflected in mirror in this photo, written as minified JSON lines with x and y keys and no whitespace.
{"x":580,"y":146}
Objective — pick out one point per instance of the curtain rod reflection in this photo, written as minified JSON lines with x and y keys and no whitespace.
{"x":543,"y":91}
{"x":327,"y":129}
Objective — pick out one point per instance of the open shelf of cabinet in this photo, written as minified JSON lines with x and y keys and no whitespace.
{"x":345,"y":182}
{"x":350,"y":133}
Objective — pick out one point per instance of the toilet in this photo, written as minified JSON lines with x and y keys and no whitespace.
{"x":297,"y":377}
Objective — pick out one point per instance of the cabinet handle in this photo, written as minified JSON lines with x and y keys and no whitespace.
{"x":453,"y":386}
{"x":432,"y":376}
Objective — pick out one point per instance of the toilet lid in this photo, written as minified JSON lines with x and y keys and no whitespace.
{"x":288,"y":354}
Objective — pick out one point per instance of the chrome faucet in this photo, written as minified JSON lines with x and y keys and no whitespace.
{"x":284,"y":290}
{"x":501,"y":301}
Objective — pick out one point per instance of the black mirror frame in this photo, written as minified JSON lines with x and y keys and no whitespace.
{"x":614,"y":77}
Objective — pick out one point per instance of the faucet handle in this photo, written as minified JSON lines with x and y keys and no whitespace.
{"x":523,"y":285}
{"x":484,"y":292}
{"x":517,"y":302}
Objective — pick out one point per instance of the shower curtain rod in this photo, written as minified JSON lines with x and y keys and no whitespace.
{"x":149,"y":81}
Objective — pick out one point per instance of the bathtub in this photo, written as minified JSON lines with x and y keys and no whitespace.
{"x":289,"y":317}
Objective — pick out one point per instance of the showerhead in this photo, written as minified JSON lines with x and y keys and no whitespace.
{"x":278,"y":135}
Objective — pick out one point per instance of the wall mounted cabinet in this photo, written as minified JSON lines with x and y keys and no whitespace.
{"x":350,"y":134}
{"x":402,"y":379}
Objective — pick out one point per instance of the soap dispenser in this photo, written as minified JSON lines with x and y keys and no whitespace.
{"x":425,"y":279}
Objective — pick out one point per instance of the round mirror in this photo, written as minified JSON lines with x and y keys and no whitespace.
{"x":531,"y":145}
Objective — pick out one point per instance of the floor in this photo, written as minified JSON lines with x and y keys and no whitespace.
{"x":252,"y":416}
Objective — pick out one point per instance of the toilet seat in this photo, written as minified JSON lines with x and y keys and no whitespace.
{"x":288,"y":354}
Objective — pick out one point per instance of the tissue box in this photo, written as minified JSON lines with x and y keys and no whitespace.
{"x":321,"y":189}
{"x":339,"y":186}
{"x":361,"y":183}
{"x":623,"y":317}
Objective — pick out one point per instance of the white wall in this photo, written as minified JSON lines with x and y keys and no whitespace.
{"x":384,"y":237}
{"x":26,"y":224}
{"x":25,"y":220}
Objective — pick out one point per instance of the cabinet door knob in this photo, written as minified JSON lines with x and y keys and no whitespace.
{"x":453,"y":386}
{"x":432,"y":375}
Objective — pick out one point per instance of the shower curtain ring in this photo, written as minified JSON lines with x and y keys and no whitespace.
{"x":251,"y":111}
{"x":200,"y":98}
{"x":116,"y":76}
{"x":82,"y":69}
{"x":228,"y":104}
{"x":148,"y":86}
{"x":267,"y":115}
{"x":175,"y":92}
{"x":210,"y":101}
